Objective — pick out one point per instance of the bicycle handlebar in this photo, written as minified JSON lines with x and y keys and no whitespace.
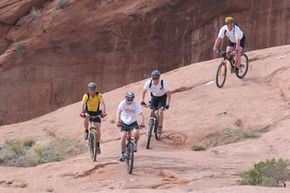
{"x":120,"y":124}
{"x":148,"y":105}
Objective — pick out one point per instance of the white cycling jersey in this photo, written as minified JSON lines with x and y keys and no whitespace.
{"x":233,"y":35}
{"x":129,"y":112}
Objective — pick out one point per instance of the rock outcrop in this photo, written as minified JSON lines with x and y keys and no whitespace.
{"x":50,"y":49}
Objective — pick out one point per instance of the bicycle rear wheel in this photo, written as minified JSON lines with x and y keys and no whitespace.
{"x":243,"y":67}
{"x":221,"y":75}
{"x":129,"y":157}
{"x":151,"y":127}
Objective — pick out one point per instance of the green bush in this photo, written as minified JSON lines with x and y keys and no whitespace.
{"x":228,"y":136}
{"x":197,"y":147}
{"x":63,"y":3}
{"x":19,"y":46}
{"x":267,"y":173}
{"x":28,"y":152}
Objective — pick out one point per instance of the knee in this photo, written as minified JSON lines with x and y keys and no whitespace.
{"x":123,"y":137}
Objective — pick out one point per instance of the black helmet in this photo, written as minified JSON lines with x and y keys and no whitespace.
{"x":92,"y":86}
{"x":130,"y":96}
{"x":155,"y":74}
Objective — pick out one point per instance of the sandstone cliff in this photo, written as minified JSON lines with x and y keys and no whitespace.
{"x":50,"y":49}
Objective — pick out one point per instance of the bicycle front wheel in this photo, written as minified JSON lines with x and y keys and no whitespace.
{"x":241,"y":73}
{"x":157,"y":130}
{"x":93,"y":145}
{"x":151,"y":127}
{"x":221,"y":75}
{"x":129,"y":157}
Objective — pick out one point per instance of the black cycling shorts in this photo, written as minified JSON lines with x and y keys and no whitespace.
{"x":158,"y":102}
{"x":132,"y":126}
{"x":242,"y":42}
{"x":97,"y":119}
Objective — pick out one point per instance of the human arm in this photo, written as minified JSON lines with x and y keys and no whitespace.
{"x":83,"y":105}
{"x":216,"y":44}
{"x":143,"y":96}
{"x":118,"y":117}
{"x":168,"y":98}
{"x":103,"y":107}
{"x":141,"y":115}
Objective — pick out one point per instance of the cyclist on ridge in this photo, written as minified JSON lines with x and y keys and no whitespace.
{"x":91,"y":103}
{"x":236,"y":37}
{"x":127,"y":113}
{"x":160,"y":94}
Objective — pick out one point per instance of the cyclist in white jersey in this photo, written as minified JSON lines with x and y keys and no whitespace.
{"x":160,"y":94}
{"x":128,"y":110}
{"x":236,"y":37}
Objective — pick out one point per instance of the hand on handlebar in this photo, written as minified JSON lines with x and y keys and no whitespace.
{"x":103,"y":115}
{"x":119,"y":124}
{"x":82,"y":114}
{"x":215,"y":50}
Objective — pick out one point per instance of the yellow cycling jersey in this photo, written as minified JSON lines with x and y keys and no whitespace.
{"x":93,"y":103}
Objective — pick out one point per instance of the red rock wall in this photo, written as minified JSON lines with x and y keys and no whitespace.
{"x":45,"y":63}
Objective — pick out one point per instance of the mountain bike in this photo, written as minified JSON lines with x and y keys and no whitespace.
{"x":222,"y":68}
{"x":93,"y":137}
{"x":129,"y":149}
{"x":153,"y":124}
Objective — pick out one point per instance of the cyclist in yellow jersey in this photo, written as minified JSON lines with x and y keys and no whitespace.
{"x":93,"y":104}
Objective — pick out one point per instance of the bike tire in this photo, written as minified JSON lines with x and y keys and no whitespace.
{"x":129,"y":157}
{"x":151,"y":127}
{"x":91,"y":145}
{"x":95,"y":146}
{"x":157,"y":131}
{"x":221,"y":75}
{"x":244,"y":66}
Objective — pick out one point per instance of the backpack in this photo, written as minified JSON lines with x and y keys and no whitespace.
{"x":88,"y":94}
{"x":161,"y":84}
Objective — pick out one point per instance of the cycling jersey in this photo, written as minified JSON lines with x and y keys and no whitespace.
{"x":157,"y":90}
{"x":129,"y":112}
{"x":233,"y":35}
{"x":92,"y":103}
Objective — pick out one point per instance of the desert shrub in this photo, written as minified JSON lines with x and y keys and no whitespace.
{"x":63,"y":3}
{"x":266,"y":173}
{"x":228,"y":136}
{"x":35,"y":13}
{"x":19,"y":46}
{"x":197,"y":147}
{"x":28,"y":152}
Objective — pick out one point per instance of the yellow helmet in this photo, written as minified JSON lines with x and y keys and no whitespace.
{"x":229,"y":20}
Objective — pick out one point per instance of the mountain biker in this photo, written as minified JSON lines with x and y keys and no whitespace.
{"x":91,"y":103}
{"x":127,"y":113}
{"x":160,"y":95}
{"x":236,"y":37}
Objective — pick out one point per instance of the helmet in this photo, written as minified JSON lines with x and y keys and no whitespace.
{"x":229,"y":19}
{"x":92,"y":86}
{"x":130,"y":96}
{"x":155,"y":74}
